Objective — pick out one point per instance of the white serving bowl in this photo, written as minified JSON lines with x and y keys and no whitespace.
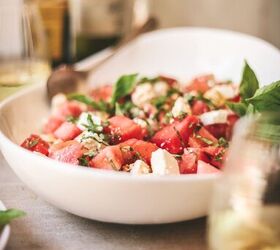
{"x":119,"y":197}
{"x":5,"y":231}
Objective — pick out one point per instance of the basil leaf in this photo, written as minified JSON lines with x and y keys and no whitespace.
{"x":123,"y":87}
{"x":8,"y":215}
{"x":237,"y":107}
{"x":267,"y":98}
{"x":101,"y":105}
{"x":249,"y":83}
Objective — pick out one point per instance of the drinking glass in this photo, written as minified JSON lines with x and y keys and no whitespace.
{"x":23,"y":49}
{"x":245,"y":214}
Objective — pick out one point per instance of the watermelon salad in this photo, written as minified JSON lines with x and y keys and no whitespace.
{"x":147,"y":126}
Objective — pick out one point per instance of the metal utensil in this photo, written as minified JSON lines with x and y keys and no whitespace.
{"x":66,"y":79}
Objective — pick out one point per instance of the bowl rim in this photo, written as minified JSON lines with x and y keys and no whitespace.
{"x":80,"y":170}
{"x":217,"y":31}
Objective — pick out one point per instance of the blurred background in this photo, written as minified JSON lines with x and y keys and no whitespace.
{"x":77,"y":28}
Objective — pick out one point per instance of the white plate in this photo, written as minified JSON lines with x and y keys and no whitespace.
{"x":5,"y":232}
{"x":118,"y":197}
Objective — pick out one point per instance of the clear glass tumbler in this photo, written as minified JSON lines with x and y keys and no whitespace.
{"x":245,"y":213}
{"x":23,"y":48}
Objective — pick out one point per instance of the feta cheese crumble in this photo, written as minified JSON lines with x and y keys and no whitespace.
{"x":214,"y":117}
{"x":220,"y":93}
{"x":144,"y":93}
{"x":90,"y":140}
{"x":82,"y":122}
{"x":139,"y":167}
{"x":180,"y":107}
{"x":163,"y":163}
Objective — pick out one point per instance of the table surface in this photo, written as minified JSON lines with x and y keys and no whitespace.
{"x":46,"y":227}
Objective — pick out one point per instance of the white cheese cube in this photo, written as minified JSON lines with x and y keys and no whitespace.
{"x":180,"y":107}
{"x":220,"y":93}
{"x":142,"y":94}
{"x":83,"y":120}
{"x":139,"y":167}
{"x":142,"y":123}
{"x":228,"y":91}
{"x":160,"y":88}
{"x":214,"y":117}
{"x":163,"y":163}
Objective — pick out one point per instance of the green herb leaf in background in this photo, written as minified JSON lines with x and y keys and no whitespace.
{"x":159,"y":101}
{"x":267,"y":98}
{"x":249,"y":83}
{"x":8,"y":215}
{"x":100,"y":106}
{"x":123,"y":87}
{"x":124,"y":108}
{"x":237,"y":107}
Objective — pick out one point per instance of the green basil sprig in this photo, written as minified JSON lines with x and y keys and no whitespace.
{"x":253,"y":98}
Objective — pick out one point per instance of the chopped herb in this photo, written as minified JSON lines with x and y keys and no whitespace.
{"x":180,"y":137}
{"x":112,"y":164}
{"x":219,"y":156}
{"x":205,"y":140}
{"x":197,"y":126}
{"x":189,"y":98}
{"x":124,"y":109}
{"x":90,"y":154}
{"x":182,"y":115}
{"x":32,"y":143}
{"x":151,"y":132}
{"x":222,"y":142}
{"x":126,"y":149}
{"x":91,"y":126}
{"x":71,"y":119}
{"x":168,"y":117}
{"x":172,"y":91}
{"x":83,"y":160}
{"x":177,"y":156}
{"x":159,"y":101}
{"x":139,"y":156}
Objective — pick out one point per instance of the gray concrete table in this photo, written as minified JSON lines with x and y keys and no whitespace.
{"x":46,"y":227}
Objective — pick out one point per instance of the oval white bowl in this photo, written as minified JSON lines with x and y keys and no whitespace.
{"x":5,"y":232}
{"x":119,"y":197}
